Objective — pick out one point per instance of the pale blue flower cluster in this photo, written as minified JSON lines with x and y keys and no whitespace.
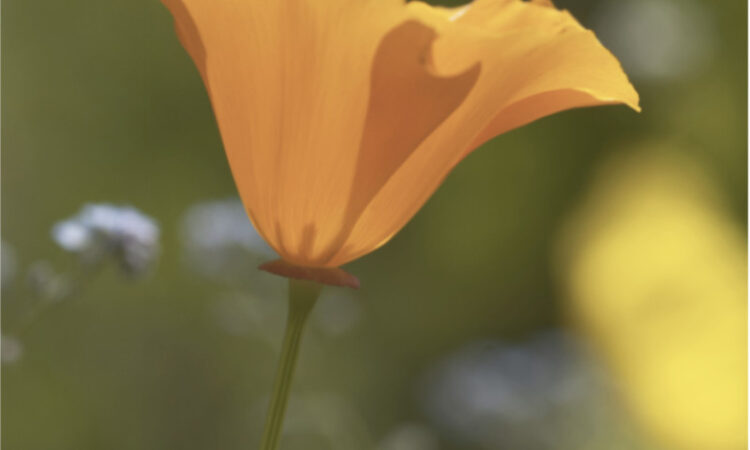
{"x":493,"y":394}
{"x":102,"y":230}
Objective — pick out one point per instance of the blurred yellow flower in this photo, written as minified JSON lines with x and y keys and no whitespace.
{"x":341,"y":117}
{"x":657,"y":274}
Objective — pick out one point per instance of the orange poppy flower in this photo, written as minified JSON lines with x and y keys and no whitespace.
{"x":341,"y":117}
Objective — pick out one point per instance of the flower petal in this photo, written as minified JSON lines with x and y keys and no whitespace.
{"x":536,"y":60}
{"x":407,"y":103}
{"x":295,"y":85}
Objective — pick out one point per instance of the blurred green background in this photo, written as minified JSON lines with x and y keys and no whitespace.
{"x":473,"y":328}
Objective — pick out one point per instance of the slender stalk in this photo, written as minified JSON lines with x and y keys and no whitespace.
{"x":302,"y":298}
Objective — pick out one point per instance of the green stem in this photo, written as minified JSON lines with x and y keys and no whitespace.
{"x":302,"y":297}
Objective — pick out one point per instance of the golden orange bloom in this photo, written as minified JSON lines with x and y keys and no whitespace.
{"x":341,"y":117}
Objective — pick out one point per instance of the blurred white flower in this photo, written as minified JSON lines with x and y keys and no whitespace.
{"x":100,"y":230}
{"x":537,"y":395}
{"x":656,"y":39}
{"x":11,"y":349}
{"x":220,"y":239}
{"x":72,"y":235}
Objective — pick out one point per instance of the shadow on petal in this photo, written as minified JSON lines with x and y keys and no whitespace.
{"x":408,"y":101}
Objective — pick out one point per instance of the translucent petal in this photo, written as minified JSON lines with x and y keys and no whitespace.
{"x":536,"y":60}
